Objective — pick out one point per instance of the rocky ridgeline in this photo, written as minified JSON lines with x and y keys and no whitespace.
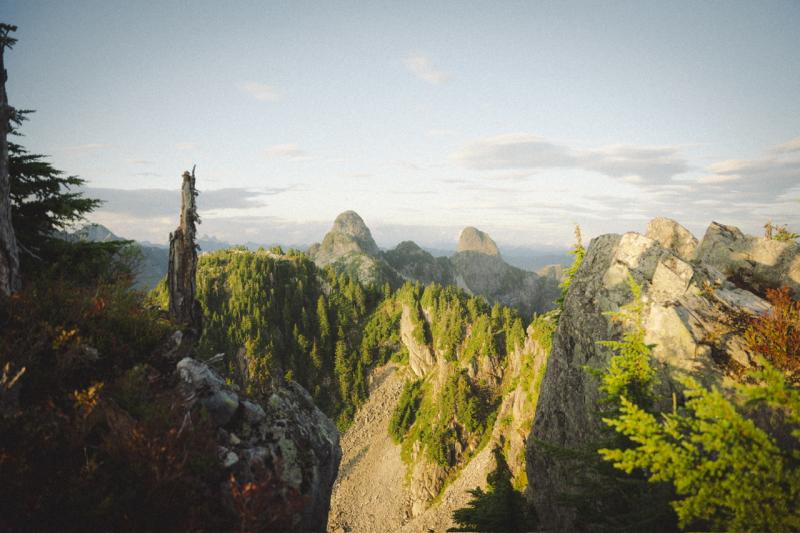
{"x":286,"y":443}
{"x":476,"y":267}
{"x":698,"y":298}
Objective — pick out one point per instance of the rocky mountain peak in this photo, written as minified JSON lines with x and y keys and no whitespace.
{"x":474,"y":240}
{"x":351,"y":224}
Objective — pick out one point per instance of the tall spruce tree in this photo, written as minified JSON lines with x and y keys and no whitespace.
{"x":44,"y":201}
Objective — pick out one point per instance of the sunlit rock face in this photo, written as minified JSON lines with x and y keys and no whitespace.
{"x":755,"y":262}
{"x":348,"y":235}
{"x":350,"y":248}
{"x":474,"y":240}
{"x":479,"y":269}
{"x":672,"y":236}
{"x":688,"y":308}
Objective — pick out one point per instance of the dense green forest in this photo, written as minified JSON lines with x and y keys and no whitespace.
{"x":276,"y":315}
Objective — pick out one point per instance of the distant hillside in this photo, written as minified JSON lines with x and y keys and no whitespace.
{"x":477,"y":266}
{"x":152,"y":265}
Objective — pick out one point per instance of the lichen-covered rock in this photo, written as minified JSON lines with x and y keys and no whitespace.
{"x":672,"y":236}
{"x":755,"y":262}
{"x":204,"y":385}
{"x":287,"y":440}
{"x":694,"y":317}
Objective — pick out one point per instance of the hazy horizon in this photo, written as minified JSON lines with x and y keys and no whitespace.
{"x":521,"y":119}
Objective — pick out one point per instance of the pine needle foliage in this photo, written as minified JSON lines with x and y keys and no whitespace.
{"x":733,"y":461}
{"x":578,"y":252}
{"x":729,"y":474}
{"x":630,"y":375}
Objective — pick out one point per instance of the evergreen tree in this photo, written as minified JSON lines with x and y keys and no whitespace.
{"x":44,"y":200}
{"x":578,"y":252}
{"x":733,"y":461}
{"x":729,"y":474}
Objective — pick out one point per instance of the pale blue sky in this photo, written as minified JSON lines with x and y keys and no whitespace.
{"x":520,"y":118}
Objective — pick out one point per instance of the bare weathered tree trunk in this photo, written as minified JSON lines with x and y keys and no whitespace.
{"x":9,"y":254}
{"x":183,"y":308}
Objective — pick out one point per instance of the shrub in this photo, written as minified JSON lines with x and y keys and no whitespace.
{"x":733,"y":462}
{"x":776,"y":334}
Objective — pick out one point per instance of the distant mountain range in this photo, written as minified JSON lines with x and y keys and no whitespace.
{"x":476,"y":266}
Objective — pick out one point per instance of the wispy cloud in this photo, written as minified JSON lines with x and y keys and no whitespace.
{"x":147,"y":203}
{"x":141,"y":162}
{"x":289,"y":151}
{"x":422,"y":67}
{"x":524,"y":151}
{"x":186,"y":146}
{"x":773,"y":174}
{"x":261,"y":91}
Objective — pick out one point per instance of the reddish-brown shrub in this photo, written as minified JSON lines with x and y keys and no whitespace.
{"x":265,"y":506}
{"x":776,"y":334}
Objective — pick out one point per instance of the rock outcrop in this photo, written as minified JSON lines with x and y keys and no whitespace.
{"x":755,"y":262}
{"x":420,"y":355}
{"x":695,"y":313}
{"x":474,"y":240}
{"x":672,"y":236}
{"x":287,"y":441}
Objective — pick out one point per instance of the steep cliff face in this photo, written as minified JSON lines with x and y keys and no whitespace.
{"x":695,"y":316}
{"x":420,"y":355}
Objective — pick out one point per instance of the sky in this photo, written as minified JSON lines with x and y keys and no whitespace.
{"x":519,"y":118}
